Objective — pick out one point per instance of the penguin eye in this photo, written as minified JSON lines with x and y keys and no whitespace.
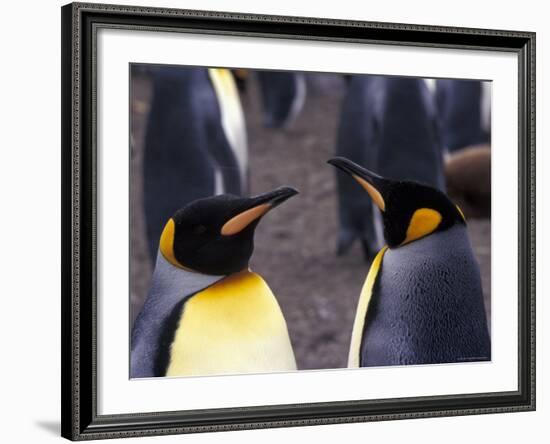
{"x":199,"y":229}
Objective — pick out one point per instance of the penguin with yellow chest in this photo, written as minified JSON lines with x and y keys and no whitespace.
{"x":206,"y":312}
{"x":422,"y":301}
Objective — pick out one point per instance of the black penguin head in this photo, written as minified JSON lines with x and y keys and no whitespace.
{"x":410,"y":210}
{"x":215,"y":235}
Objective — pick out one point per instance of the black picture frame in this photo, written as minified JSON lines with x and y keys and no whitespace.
{"x":79,"y":396}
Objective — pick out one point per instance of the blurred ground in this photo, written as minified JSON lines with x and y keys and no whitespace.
{"x":295,"y":243}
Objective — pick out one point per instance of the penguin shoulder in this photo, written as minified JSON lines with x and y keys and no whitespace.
{"x":440,"y":265}
{"x":234,"y":326}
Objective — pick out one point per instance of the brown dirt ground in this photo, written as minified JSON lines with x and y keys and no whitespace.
{"x":295,"y":243}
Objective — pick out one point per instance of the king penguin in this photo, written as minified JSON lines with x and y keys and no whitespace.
{"x":390,"y":125}
{"x":422,"y":301}
{"x":206,"y":312}
{"x":195,"y":143}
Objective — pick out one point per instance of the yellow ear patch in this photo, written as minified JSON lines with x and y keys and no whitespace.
{"x":424,"y":221}
{"x":239,"y":222}
{"x":373,"y":192}
{"x":166,"y":245}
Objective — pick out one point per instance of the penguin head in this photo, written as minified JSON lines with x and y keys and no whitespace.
{"x":410,"y":210}
{"x":215,"y":235}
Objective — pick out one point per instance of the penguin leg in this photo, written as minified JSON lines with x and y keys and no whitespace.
{"x":357,"y":222}
{"x":357,"y":131}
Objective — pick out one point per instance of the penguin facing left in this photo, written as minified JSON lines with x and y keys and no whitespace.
{"x":206,"y":312}
{"x":422,"y":302}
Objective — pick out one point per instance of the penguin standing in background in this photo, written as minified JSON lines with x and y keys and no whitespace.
{"x":390,"y":125}
{"x":465,"y":110}
{"x":206,"y":312}
{"x":357,"y":140}
{"x":464,"y":107}
{"x":422,"y":301}
{"x":410,"y":139}
{"x":195,"y":144}
{"x":468,"y":173}
{"x":283,"y":96}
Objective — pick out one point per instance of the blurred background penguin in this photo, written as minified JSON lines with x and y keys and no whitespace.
{"x":197,"y":132}
{"x":195,"y":143}
{"x":283,"y":96}
{"x":388,"y":124}
{"x":464,"y":107}
{"x":195,"y":140}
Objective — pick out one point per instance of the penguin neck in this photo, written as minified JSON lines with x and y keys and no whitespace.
{"x":193,"y":281}
{"x":455,"y":236}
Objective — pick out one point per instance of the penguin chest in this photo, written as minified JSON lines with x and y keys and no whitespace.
{"x":234,"y":326}
{"x":427,"y":306}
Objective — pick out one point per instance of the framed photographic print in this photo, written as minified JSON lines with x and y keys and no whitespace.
{"x":282,"y":221}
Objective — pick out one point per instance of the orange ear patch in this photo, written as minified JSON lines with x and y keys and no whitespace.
{"x":424,"y":221}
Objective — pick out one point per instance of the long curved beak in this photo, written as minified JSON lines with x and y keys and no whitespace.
{"x":256,"y":207}
{"x":371,"y":182}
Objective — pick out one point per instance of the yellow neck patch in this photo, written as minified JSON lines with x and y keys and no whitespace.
{"x":461,"y":213}
{"x":361,"y":312}
{"x":424,"y":221}
{"x":234,"y":326}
